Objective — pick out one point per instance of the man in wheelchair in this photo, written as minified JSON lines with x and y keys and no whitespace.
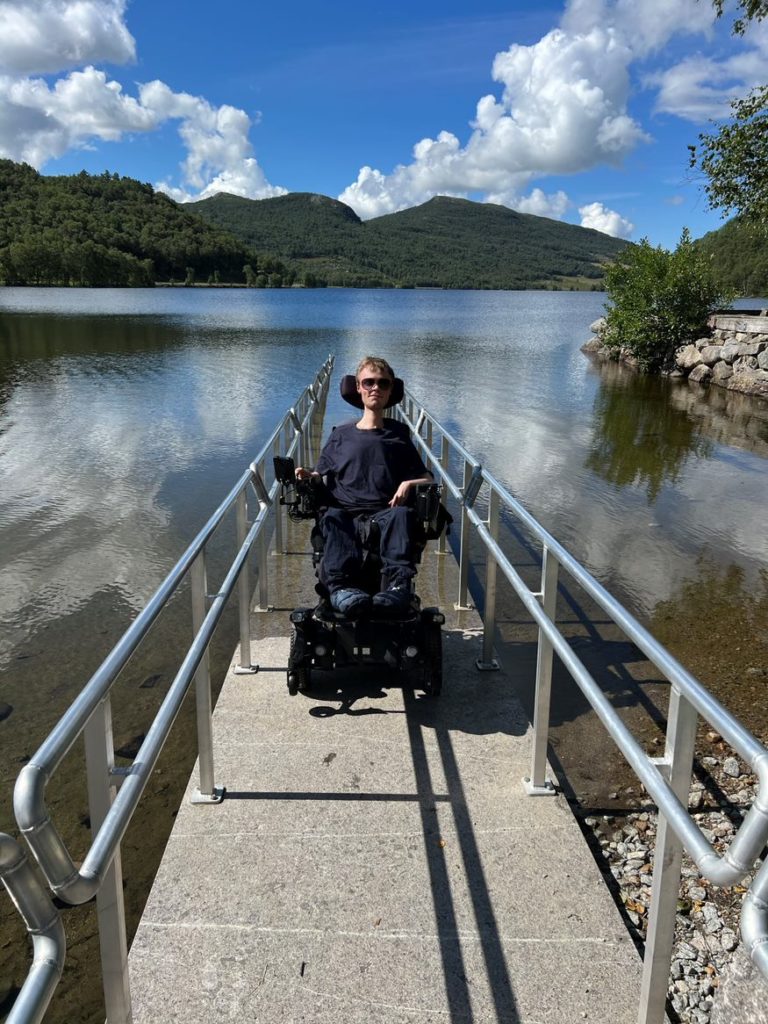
{"x":371,"y":471}
{"x":375,"y":506}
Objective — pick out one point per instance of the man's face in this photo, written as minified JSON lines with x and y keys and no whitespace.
{"x":374,"y":387}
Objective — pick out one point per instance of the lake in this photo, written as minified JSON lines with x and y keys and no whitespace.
{"x":125,"y":416}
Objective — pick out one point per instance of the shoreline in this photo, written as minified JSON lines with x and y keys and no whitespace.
{"x":706,"y":947}
{"x":734,"y":355}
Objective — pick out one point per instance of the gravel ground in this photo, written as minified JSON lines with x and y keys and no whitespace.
{"x":707,"y":926}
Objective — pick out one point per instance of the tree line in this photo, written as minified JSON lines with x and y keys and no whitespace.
{"x":106,"y":230}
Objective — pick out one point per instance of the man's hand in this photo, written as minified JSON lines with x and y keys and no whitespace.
{"x":401,"y":494}
{"x":304,"y":474}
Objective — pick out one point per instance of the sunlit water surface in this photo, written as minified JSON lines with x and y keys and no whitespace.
{"x":125,"y":416}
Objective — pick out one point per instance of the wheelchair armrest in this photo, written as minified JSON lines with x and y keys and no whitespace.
{"x":432,"y":515}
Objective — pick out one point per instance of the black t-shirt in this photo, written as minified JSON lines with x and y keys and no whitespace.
{"x":365,"y":467}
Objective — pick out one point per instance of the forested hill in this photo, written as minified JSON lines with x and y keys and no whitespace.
{"x":105,"y":230}
{"x":739,"y":257}
{"x":448,"y":243}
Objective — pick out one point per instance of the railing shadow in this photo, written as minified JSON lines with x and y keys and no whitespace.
{"x":478,"y":707}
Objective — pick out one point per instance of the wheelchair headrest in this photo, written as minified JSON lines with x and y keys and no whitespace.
{"x":349,"y":392}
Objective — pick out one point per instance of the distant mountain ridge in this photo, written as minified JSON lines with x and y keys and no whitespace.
{"x":444,"y":243}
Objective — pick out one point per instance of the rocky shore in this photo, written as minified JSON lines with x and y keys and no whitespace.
{"x":734,"y":355}
{"x":707,"y":926}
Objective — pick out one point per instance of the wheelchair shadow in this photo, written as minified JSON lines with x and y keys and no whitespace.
{"x":471,"y":702}
{"x":475,"y":702}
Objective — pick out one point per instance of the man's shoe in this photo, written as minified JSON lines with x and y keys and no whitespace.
{"x":395,"y":600}
{"x":350,"y":601}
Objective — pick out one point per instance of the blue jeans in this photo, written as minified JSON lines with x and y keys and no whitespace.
{"x":344,"y":534}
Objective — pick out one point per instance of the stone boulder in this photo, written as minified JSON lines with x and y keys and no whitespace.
{"x":750,"y":348}
{"x":749,"y":382}
{"x":711,"y":354}
{"x":599,"y":326}
{"x":744,"y":362}
{"x":742,"y":997}
{"x":730,"y":351}
{"x":762,"y":360}
{"x":721,"y":372}
{"x":702,"y":374}
{"x":701,"y":343}
{"x":687,"y":357}
{"x":592,"y":347}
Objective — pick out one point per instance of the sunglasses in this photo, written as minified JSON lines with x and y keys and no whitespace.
{"x":382,"y":383}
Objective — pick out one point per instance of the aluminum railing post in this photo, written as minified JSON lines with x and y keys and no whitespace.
{"x":487,"y":662}
{"x":110,"y":907}
{"x":207,"y":792}
{"x":308,"y":432}
{"x":264,"y":571}
{"x":537,"y":783}
{"x":464,"y":545}
{"x":304,"y":456}
{"x":444,"y":458}
{"x":262,"y":544}
{"x":244,"y":588}
{"x":280,"y":544}
{"x":667,"y":860}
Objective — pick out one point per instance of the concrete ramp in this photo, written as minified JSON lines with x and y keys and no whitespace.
{"x":376,"y":860}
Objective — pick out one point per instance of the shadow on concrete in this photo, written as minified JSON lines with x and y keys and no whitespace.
{"x":457,"y":988}
{"x":472,"y":702}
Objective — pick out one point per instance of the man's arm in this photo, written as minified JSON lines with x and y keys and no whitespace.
{"x":400,"y":496}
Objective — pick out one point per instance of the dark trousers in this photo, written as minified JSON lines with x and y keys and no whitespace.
{"x":344,"y":534}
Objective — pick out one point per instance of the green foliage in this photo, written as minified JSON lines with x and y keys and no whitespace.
{"x":660,"y":300}
{"x":751,"y":10}
{"x":738,"y":256}
{"x":445,"y":243}
{"x":735,"y":160}
{"x":104,"y":230}
{"x":641,"y":438}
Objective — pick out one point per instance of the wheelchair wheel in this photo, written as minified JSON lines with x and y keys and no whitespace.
{"x":299,"y":672}
{"x":433,"y":667}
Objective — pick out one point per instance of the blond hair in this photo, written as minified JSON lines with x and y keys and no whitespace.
{"x":376,"y":363}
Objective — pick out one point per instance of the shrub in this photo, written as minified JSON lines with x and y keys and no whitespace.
{"x":660,"y":300}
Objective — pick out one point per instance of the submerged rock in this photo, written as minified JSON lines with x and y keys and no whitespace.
{"x":702,"y":374}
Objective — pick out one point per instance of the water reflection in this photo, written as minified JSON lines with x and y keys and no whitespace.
{"x":641,"y":438}
{"x":125,"y":416}
{"x":118,"y":437}
{"x":716,"y":624}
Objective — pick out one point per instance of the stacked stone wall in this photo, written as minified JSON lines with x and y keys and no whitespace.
{"x":734,"y":355}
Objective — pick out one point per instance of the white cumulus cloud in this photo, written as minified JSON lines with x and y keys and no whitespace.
{"x":599,"y":217}
{"x":537,"y":202}
{"x":563,"y":108}
{"x":45,"y":36}
{"x":41,"y":121}
{"x":701,"y":88}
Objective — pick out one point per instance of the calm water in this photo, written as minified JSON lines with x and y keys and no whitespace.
{"x":126,"y":415}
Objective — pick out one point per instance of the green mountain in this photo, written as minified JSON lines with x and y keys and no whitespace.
{"x":104,"y":230}
{"x":445,"y":243}
{"x":739,"y":256}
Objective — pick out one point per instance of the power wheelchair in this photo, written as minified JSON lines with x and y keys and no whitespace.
{"x":323,"y":639}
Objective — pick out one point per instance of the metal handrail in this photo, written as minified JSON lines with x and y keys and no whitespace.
{"x":112,"y":808}
{"x":43,"y":923}
{"x":666,"y":779}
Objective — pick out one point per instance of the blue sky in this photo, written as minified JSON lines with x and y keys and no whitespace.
{"x":581,"y":111}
